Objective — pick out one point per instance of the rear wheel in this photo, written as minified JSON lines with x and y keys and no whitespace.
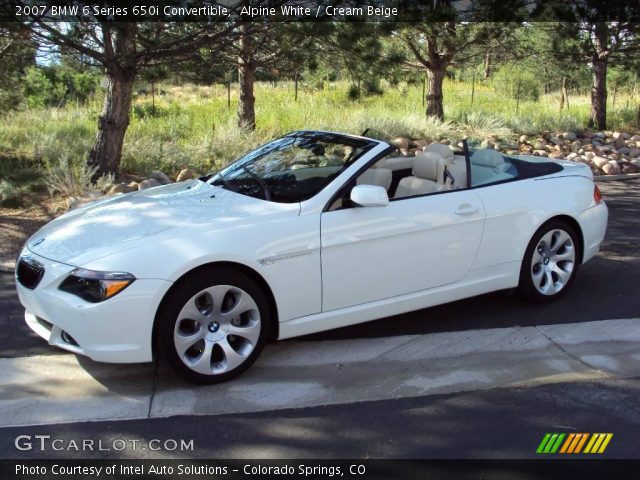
{"x":214,"y":325}
{"x":550,"y":262}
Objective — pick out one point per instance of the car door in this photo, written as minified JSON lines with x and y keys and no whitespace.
{"x":412,"y":244}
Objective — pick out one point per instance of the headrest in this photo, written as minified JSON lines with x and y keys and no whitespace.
{"x":487,"y":157}
{"x":441,"y":149}
{"x":425,"y":165}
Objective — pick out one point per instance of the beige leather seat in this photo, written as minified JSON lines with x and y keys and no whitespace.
{"x":487,"y":166}
{"x":441,"y":149}
{"x":380,"y":177}
{"x":424,"y":178}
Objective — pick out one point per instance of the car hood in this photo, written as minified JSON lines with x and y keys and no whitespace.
{"x":104,"y":226}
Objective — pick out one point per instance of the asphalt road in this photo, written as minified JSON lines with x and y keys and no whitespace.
{"x":606,"y":287}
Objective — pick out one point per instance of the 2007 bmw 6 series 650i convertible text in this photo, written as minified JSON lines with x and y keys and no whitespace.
{"x":312,"y":231}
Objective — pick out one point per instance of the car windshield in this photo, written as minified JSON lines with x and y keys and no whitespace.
{"x":293,"y":168}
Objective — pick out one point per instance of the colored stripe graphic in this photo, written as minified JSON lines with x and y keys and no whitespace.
{"x":574,"y":443}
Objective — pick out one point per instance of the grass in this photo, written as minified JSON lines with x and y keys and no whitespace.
{"x":193,"y":127}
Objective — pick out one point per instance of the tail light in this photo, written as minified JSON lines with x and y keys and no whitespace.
{"x":597,"y":196}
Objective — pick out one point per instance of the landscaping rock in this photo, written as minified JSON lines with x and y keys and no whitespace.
{"x":600,"y":161}
{"x":128,"y":178}
{"x":400,"y":143}
{"x":629,"y":167}
{"x":82,"y":200}
{"x":120,"y":188}
{"x":160,"y":177}
{"x":148,"y":183}
{"x":523,"y":139}
{"x":611,"y":168}
{"x":571,"y":136}
{"x":185,"y":174}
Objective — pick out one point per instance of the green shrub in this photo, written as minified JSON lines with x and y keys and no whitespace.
{"x":515,"y":82}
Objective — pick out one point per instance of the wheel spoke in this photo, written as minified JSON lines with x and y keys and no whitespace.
{"x":250,"y":332}
{"x":563,"y":274}
{"x":233,"y":358}
{"x":203,"y":363}
{"x":185,"y":342}
{"x":549,"y":286}
{"x":560,"y":238}
{"x":243,"y":304}
{"x":217,"y":294}
{"x":546,"y":241}
{"x":192,"y":312}
{"x":567,"y":254}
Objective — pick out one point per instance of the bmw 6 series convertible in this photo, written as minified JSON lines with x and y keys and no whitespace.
{"x":309,"y":232}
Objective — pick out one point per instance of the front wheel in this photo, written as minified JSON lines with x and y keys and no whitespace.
{"x":550,"y":262}
{"x":214,"y":325}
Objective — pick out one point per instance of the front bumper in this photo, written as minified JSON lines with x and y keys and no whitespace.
{"x":118,"y":330}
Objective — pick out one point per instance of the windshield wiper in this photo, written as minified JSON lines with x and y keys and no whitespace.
{"x":263,"y":185}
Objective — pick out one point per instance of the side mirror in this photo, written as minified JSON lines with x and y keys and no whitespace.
{"x":369,"y":196}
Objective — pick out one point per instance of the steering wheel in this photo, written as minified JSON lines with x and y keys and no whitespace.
{"x":263,"y":185}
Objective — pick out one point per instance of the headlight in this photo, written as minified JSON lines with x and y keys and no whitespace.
{"x":95,"y":287}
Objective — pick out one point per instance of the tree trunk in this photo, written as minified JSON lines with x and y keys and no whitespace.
{"x":246,"y":76}
{"x":599,"y":95}
{"x":434,"y":97}
{"x":564,"y":95}
{"x":487,"y":65}
{"x":112,"y":124}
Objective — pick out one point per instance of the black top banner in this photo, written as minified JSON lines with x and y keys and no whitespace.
{"x":320,"y":10}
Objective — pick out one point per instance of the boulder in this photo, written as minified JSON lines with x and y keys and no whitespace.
{"x":82,"y":200}
{"x":589,"y":155}
{"x":619,"y":142}
{"x":634,"y":152}
{"x":556,"y":141}
{"x":635,"y":138}
{"x":600,"y":161}
{"x":185,"y":174}
{"x":160,"y":177}
{"x":120,"y":188}
{"x":523,"y":139}
{"x":572,"y":156}
{"x":148,"y":183}
{"x":624,"y":150}
{"x":623,"y":135}
{"x":576,"y":145}
{"x":540,"y":153}
{"x":611,"y":168}
{"x":400,"y":142}
{"x":571,"y":136}
{"x":128,"y":178}
{"x":629,"y":168}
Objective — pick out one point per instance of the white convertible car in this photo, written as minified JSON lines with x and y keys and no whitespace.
{"x":312,"y":231}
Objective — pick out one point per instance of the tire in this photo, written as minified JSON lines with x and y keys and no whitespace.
{"x":213,"y":325}
{"x":550,"y":263}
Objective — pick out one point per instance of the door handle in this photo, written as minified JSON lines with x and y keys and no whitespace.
{"x":466,"y":209}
